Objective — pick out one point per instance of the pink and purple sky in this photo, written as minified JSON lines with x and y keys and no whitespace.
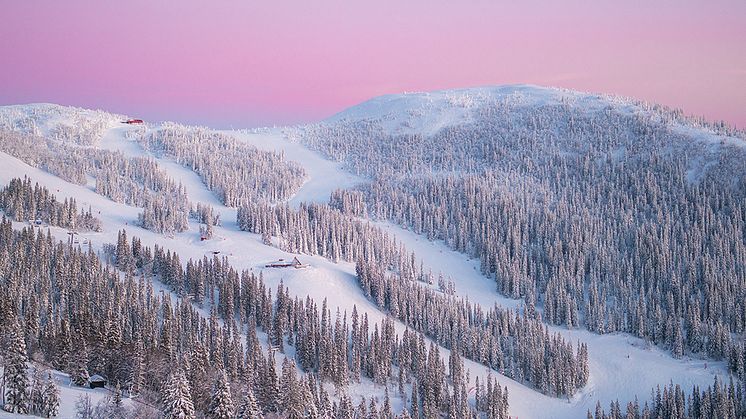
{"x":248,"y":63}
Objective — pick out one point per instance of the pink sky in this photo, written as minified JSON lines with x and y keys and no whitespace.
{"x":232,"y":62}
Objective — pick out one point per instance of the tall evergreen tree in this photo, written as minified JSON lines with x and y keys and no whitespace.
{"x":248,"y":409}
{"x":15,"y":376}
{"x":221,"y":405}
{"x":177,"y":398}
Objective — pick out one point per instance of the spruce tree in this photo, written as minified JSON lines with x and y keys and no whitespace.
{"x":221,"y":405}
{"x":51,"y":399}
{"x":78,"y":367}
{"x":36,"y":399}
{"x":248,"y":408}
{"x":17,"y":391}
{"x":177,"y":399}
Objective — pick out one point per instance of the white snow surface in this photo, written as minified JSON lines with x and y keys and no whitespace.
{"x":427,"y":112}
{"x":69,"y":395}
{"x":621,"y":366}
{"x":322,"y":176}
{"x":43,"y":118}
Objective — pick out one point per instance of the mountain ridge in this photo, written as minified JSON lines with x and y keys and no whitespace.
{"x":454,"y":104}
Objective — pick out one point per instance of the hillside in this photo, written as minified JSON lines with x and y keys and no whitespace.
{"x":598,"y":212}
{"x":501,"y":192}
{"x":428,"y":112}
{"x":483,"y":128}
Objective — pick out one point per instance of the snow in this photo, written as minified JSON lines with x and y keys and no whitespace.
{"x":69,"y":395}
{"x":428,"y":112}
{"x":43,"y":118}
{"x":244,"y":250}
{"x":621,"y":366}
{"x":323,"y":176}
{"x":115,"y":139}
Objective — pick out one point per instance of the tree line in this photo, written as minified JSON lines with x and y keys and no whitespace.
{"x":136,"y":181}
{"x":24,"y":202}
{"x":719,"y":400}
{"x":518,"y":345}
{"x":234,"y":171}
{"x":600,"y":218}
{"x":62,"y":305}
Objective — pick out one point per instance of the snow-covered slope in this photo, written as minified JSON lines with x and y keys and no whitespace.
{"x":427,"y":112}
{"x":621,"y":366}
{"x":70,"y":395}
{"x":323,"y":176}
{"x":63,"y":123}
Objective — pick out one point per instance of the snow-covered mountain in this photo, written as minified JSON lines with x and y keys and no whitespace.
{"x":413,"y":169}
{"x":489,"y":127}
{"x":426,"y":113}
{"x":63,"y":123}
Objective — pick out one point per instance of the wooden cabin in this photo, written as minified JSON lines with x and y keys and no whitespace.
{"x":282,"y":263}
{"x":97,"y":381}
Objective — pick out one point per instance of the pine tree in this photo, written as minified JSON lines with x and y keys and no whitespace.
{"x":345,"y":410}
{"x":249,"y":408}
{"x":291,"y":397}
{"x":221,"y":405}
{"x":138,"y":368}
{"x":78,"y":367}
{"x":386,"y":409}
{"x":270,"y":389}
{"x":51,"y":399}
{"x":15,"y":374}
{"x":177,"y":399}
{"x":36,"y":399}
{"x":415,"y":405}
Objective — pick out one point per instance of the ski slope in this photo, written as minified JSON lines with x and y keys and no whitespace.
{"x":621,"y":366}
{"x":324,"y":176}
{"x":323,"y":279}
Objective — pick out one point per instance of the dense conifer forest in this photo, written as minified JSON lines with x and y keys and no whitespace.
{"x":603,"y":219}
{"x":613,"y":217}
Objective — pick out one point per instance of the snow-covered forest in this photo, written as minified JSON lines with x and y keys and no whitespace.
{"x":237,"y":173}
{"x":36,"y":204}
{"x":600,"y":246}
{"x":511,"y":343}
{"x":613,"y":220}
{"x":137,"y":181}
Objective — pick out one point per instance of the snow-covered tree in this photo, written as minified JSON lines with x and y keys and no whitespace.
{"x":249,"y":409}
{"x":50,"y":399}
{"x":177,"y":398}
{"x":15,"y":374}
{"x":221,"y":405}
